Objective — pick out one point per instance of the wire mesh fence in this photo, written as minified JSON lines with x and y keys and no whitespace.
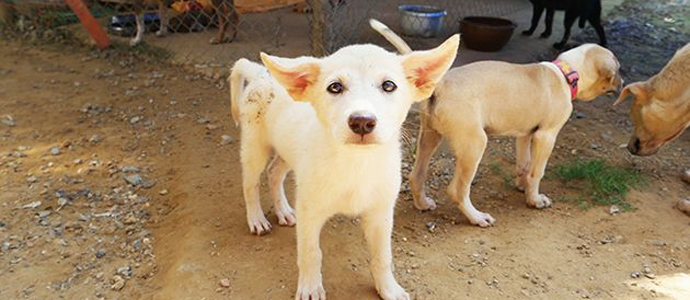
{"x":192,"y":31}
{"x":424,"y":22}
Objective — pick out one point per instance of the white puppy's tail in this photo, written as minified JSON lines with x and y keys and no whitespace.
{"x":390,"y":36}
{"x":243,"y":71}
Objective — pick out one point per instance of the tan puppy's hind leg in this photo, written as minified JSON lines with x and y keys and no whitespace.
{"x":277,"y":170}
{"x":542,"y":145}
{"x":468,"y":152}
{"x":523,"y":160}
{"x":428,"y":141}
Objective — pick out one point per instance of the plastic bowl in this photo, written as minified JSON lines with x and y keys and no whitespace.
{"x":421,"y":20}
{"x":486,"y":33}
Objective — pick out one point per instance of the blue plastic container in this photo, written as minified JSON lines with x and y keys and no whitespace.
{"x":421,"y":20}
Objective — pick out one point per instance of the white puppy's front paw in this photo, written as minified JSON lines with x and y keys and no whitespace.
{"x":393,"y":292}
{"x":310,"y":292}
{"x":425,"y":204}
{"x":481,"y":219}
{"x":161,"y":33}
{"x":286,"y":216}
{"x":541,"y":201}
{"x":135,"y":41}
{"x":259,"y":225}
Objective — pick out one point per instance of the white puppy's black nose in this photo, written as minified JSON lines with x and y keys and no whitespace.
{"x":361,"y":123}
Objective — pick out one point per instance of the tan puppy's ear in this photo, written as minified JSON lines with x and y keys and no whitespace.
{"x":638,"y":89}
{"x":423,"y":69}
{"x":297,"y":76}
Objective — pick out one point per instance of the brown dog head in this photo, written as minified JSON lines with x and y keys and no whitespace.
{"x":657,"y":120}
{"x":660,"y":110}
{"x":599,"y":71}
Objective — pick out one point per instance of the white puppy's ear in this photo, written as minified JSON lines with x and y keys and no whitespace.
{"x":424,"y":69}
{"x":296,"y":75}
{"x":639,"y":90}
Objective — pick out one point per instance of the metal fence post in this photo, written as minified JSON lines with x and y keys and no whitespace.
{"x":318,"y":24}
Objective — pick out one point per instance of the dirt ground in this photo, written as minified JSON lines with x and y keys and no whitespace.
{"x":120,"y":179}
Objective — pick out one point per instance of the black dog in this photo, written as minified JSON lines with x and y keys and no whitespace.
{"x":586,"y":10}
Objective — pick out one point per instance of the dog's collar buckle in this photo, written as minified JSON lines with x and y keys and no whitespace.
{"x":571,"y":76}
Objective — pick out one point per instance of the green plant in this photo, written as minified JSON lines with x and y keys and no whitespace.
{"x":498,"y":170}
{"x":600,"y":183}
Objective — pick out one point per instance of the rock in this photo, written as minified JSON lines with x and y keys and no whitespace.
{"x":100,"y":253}
{"x":658,"y":243}
{"x":32,"y":205}
{"x":129,"y":219}
{"x":147,"y":184}
{"x":44,"y":213}
{"x":635,"y":274}
{"x":607,"y":137}
{"x":117,"y":283}
{"x":55,"y":151}
{"x":8,"y":120}
{"x":203,"y":120}
{"x":62,"y":201}
{"x":226,"y":140}
{"x":130,"y":169}
{"x":646,"y":270}
{"x":686,"y":176}
{"x":580,"y":115}
{"x":95,"y":139}
{"x":684,"y":206}
{"x":163,"y":192}
{"x":125,"y":271}
{"x":212,"y":126}
{"x":134,"y":179}
{"x":614,"y":210}
{"x":224,"y":283}
{"x":134,"y":120}
{"x":431,"y":226}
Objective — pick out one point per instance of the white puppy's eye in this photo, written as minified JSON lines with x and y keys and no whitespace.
{"x":335,"y":88}
{"x":388,"y":86}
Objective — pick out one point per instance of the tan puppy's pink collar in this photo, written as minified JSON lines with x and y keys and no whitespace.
{"x":571,"y":76}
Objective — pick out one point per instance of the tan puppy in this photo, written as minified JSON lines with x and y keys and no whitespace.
{"x":661,"y":109}
{"x":530,"y":102}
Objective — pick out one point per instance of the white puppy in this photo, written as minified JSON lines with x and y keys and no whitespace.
{"x":336,"y":122}
{"x":531,"y":102}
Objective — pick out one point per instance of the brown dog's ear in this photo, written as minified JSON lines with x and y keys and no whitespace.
{"x":638,"y":89}
{"x":423,"y":69}
{"x":295,"y":75}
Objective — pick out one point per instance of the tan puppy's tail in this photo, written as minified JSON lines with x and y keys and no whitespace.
{"x":236,"y":81}
{"x":390,"y":36}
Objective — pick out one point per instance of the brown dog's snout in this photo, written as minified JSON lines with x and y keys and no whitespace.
{"x":634,"y":146}
{"x":361,"y":123}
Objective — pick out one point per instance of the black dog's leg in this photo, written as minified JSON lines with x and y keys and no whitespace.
{"x":595,"y":20}
{"x":537,"y":10}
{"x":570,"y":17}
{"x":548,"y":21}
